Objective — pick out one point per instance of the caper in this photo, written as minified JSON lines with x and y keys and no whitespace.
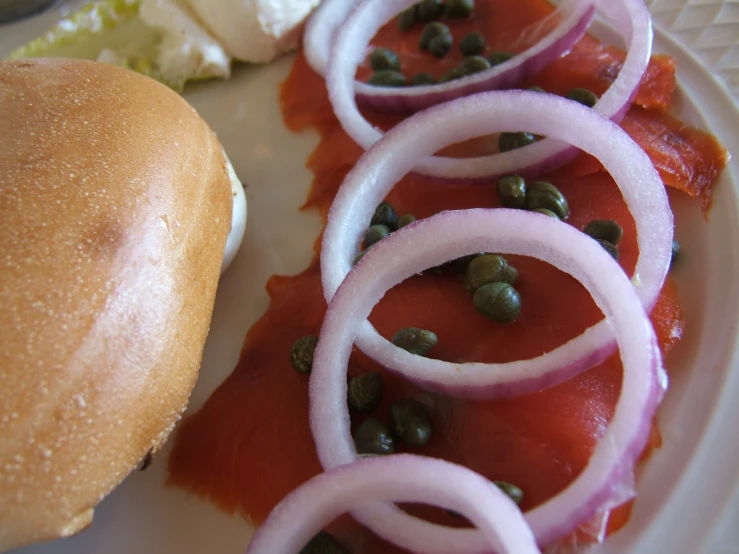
{"x":675,"y":252}
{"x":583,"y":96}
{"x":373,"y":437}
{"x":512,"y":191}
{"x":365,"y":392}
{"x":384,"y":58}
{"x":497,"y":58}
{"x":431,"y":31}
{"x":541,"y":194}
{"x":536,"y":89}
{"x":472,"y":44}
{"x":440,"y":45}
{"x":406,"y":220}
{"x":513,"y":492}
{"x":509,"y":274}
{"x":388,"y":78}
{"x":489,"y":268}
{"x":546,"y":212}
{"x":414,"y":340}
{"x":301,"y":353}
{"x":498,"y":301}
{"x":420,"y":79}
{"x":358,"y":257}
{"x":473,"y":64}
{"x":460,"y":265}
{"x":609,"y":247}
{"x":385,"y":215}
{"x":375,"y":234}
{"x":605,"y":229}
{"x":409,"y":422}
{"x":324,"y":543}
{"x":452,"y":75}
{"x":511,"y":141}
{"x":458,"y":9}
{"x":430,"y":10}
{"x":408,"y":18}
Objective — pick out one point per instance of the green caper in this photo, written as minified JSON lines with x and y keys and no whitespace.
{"x":546,"y":212}
{"x":513,"y":492}
{"x":583,"y":96}
{"x":489,"y":268}
{"x":497,"y":58}
{"x":472,"y":44}
{"x":324,"y":543}
{"x":375,"y":234}
{"x":675,"y":252}
{"x":498,"y":301}
{"x":541,"y":194}
{"x":301,"y":353}
{"x":388,"y":78}
{"x":414,"y":340}
{"x":460,"y":265}
{"x":440,"y":45}
{"x":408,"y":18}
{"x":458,"y":9}
{"x":358,"y":257}
{"x":430,"y":10}
{"x":373,"y":437}
{"x":536,"y":89}
{"x":420,"y":79}
{"x":509,"y":274}
{"x":409,"y":422}
{"x":384,"y":58}
{"x":473,"y":64}
{"x":511,"y":141}
{"x":431,"y":31}
{"x":609,"y":247}
{"x":452,"y":75}
{"x":512,"y":191}
{"x":605,"y":229}
{"x":365,"y":392}
{"x":406,"y":220}
{"x":385,"y":215}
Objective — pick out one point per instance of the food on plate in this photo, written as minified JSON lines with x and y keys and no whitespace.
{"x":255,"y":31}
{"x":116,"y":202}
{"x":159,"y":38}
{"x":527,"y":390}
{"x":175,"y":41}
{"x":405,"y":477}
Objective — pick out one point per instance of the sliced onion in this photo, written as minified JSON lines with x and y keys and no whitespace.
{"x":397,"y":478}
{"x":321,"y":29}
{"x":570,"y":22}
{"x":630,"y":17}
{"x":424,"y":133}
{"x":436,"y":240}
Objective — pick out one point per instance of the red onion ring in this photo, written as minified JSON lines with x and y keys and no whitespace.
{"x":574,"y":17}
{"x":424,"y":133}
{"x":397,"y":478}
{"x":630,"y":17}
{"x":433,"y":241}
{"x":320,"y":31}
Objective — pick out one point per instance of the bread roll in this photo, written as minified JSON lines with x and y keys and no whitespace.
{"x":115,"y":205}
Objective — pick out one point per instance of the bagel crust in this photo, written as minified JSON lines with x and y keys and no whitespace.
{"x":115,"y":205}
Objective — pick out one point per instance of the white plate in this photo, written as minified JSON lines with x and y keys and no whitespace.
{"x":689,"y":500}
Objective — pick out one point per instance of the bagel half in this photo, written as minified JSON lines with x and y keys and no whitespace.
{"x":115,"y":207}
